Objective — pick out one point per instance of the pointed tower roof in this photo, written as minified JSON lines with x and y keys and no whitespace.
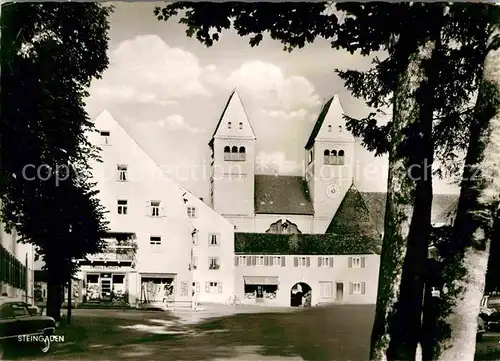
{"x":353,"y":217}
{"x":332,"y":114}
{"x":234,"y":112}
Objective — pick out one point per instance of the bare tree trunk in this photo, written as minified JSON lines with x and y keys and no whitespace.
{"x":399,"y":206}
{"x":465,"y":270}
{"x":406,"y":329}
{"x":54,"y":296}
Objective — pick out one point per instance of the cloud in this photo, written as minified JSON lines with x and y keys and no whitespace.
{"x":281,"y":97}
{"x":275,"y":162}
{"x":145,"y":69}
{"x":177,"y":122}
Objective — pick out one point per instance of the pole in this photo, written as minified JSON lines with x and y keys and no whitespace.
{"x":69,"y":300}
{"x":26,"y":278}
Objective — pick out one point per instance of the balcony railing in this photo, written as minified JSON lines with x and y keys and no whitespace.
{"x":113,"y":253}
{"x":235,"y":157}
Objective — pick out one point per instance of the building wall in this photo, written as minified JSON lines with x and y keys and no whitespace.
{"x":234,"y":177}
{"x":331,"y":182}
{"x":207,"y":222}
{"x":22,"y":252}
{"x":145,"y":183}
{"x":312,"y":275}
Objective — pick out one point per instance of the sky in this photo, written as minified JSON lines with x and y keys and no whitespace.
{"x":168,"y":91}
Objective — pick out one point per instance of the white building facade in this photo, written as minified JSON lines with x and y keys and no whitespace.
{"x":16,"y":267}
{"x":164,"y":243}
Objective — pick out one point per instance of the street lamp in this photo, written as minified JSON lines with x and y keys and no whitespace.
{"x":70,"y":230}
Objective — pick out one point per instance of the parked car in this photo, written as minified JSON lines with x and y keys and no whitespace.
{"x":20,"y":324}
{"x":480,"y":328}
{"x":490,"y":311}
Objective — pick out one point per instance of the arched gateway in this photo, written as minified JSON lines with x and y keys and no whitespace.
{"x":300,"y":295}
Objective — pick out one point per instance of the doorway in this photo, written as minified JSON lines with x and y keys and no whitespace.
{"x":300,"y":295}
{"x":340,"y":291}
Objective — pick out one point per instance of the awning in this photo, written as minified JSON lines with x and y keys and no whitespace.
{"x":261,"y":280}
{"x":157,"y":275}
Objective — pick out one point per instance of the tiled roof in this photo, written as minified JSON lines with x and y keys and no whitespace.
{"x":442,"y":204}
{"x":282,"y":195}
{"x":353,"y":217}
{"x":319,"y":123}
{"x":283,"y":244}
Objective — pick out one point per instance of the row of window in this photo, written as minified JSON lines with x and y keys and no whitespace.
{"x":280,"y":261}
{"x":213,"y":239}
{"x":213,"y":263}
{"x":326,"y":288}
{"x":330,"y":128}
{"x":154,"y":209}
{"x":334,"y":158}
{"x":12,"y":271}
{"x":235,"y":154}
{"x":210,"y":287}
{"x":230,"y":125}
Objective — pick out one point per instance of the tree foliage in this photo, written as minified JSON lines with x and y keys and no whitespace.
{"x":51,"y":52}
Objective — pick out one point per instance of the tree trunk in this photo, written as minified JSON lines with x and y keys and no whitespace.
{"x":465,"y":270}
{"x":406,"y":332}
{"x":54,"y":297}
{"x":399,"y":206}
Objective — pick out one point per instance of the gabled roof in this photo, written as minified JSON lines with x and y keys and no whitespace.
{"x":319,"y":123}
{"x":282,"y":195}
{"x":353,"y":217}
{"x":235,"y":100}
{"x":223,"y":113}
{"x":375,"y":203}
{"x":106,"y":121}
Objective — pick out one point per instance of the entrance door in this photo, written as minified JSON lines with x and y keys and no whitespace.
{"x":260,"y":292}
{"x":106,"y":287}
{"x":340,"y":291}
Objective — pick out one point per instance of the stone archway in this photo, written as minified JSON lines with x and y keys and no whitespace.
{"x":300,"y":295}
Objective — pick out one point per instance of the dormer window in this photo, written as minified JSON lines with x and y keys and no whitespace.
{"x":105,"y":134}
{"x":240,"y":125}
{"x":229,"y":125}
{"x":329,"y":128}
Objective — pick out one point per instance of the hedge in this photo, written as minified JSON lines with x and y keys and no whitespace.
{"x":335,"y":244}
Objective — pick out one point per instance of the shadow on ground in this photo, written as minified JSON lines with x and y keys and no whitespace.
{"x":319,"y":333}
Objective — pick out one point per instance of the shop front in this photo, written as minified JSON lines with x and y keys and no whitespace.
{"x":157,"y":288}
{"x":106,"y":275}
{"x":106,"y":287}
{"x":260,"y":289}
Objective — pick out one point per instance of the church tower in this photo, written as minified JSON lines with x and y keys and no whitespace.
{"x":233,"y":164}
{"x":330,"y":162}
